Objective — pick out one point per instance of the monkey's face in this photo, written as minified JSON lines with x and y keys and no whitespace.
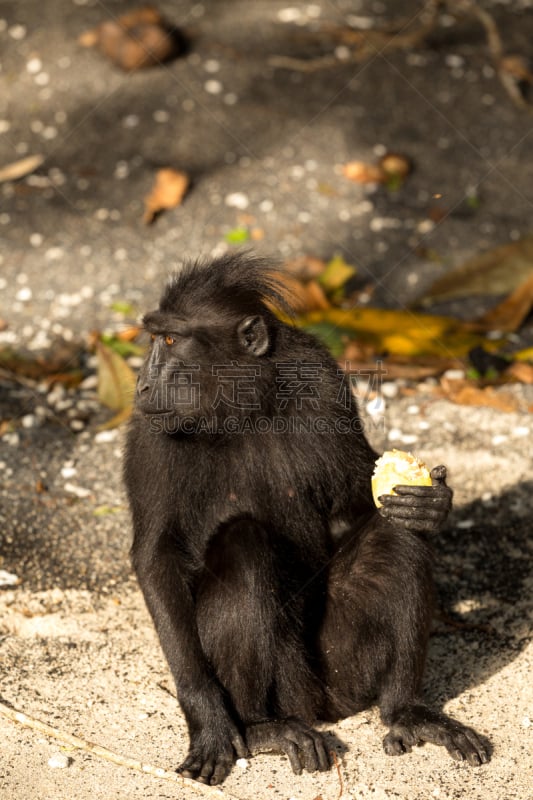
{"x":204,"y":369}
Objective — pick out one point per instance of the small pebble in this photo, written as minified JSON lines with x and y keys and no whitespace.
{"x":76,"y":425}
{"x":68,"y":472}
{"x":389,"y":389}
{"x":59,"y":761}
{"x":464,"y":524}
{"x":521,"y":430}
{"x":8,"y":578}
{"x":213,"y":87}
{"x":237,"y":200}
{"x":24,"y":294}
{"x":454,"y":374}
{"x":79,"y":491}
{"x":131,"y":121}
{"x":17,"y":32}
{"x":289,"y":14}
{"x":29,"y":421}
{"x":90,"y":382}
{"x":34,"y":65}
{"x":242,"y":763}
{"x":500,"y":438}
{"x":106,"y":436}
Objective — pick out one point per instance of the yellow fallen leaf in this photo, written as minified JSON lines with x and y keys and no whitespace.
{"x":524,"y":355}
{"x":168,"y":191}
{"x":116,"y":379}
{"x":336,"y":273}
{"x":402,"y":333}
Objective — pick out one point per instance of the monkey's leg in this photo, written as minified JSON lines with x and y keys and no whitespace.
{"x":375,"y":634}
{"x":248,"y":633}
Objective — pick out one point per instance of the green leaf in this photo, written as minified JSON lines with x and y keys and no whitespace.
{"x":333,"y":337}
{"x":237,"y":236}
{"x":122,"y":348}
{"x":123,"y":307}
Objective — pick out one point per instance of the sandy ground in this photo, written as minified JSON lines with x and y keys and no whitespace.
{"x":263,"y":146}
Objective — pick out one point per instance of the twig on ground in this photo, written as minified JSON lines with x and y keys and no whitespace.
{"x":513,"y":71}
{"x":338,"y":768}
{"x":109,"y":755}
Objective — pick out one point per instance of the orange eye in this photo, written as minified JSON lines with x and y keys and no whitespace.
{"x":169,"y":340}
{"x":153,"y":337}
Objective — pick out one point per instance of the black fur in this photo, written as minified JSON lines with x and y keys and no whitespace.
{"x":280,"y":595}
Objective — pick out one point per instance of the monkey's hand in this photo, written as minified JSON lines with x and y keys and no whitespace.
{"x":304,"y":747}
{"x":213,"y":749}
{"x":419,"y":508}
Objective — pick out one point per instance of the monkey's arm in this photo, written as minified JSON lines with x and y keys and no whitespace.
{"x":215,"y":740}
{"x":419,"y":508}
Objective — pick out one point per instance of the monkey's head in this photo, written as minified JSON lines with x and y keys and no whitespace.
{"x":213,"y":337}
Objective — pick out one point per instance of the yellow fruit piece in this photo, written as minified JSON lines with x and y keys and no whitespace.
{"x":397,"y":468}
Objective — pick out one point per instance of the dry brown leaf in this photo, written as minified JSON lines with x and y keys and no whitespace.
{"x":395,"y":165}
{"x":467,"y":394}
{"x":520,"y":372}
{"x":304,"y":296}
{"x":129,"y":334}
{"x":361,"y":172}
{"x":168,"y":191}
{"x":138,"y":39}
{"x":18,"y":169}
{"x":306,"y":267}
{"x":495,"y":272}
{"x":511,"y":312}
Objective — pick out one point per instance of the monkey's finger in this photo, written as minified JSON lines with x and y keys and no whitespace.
{"x":206,"y":772}
{"x":324,"y":761}
{"x":308,"y":751}
{"x":221,"y":770}
{"x":190,"y":767}
{"x":429,"y":492}
{"x":438,"y":501}
{"x":438,"y":474}
{"x":291,"y":751}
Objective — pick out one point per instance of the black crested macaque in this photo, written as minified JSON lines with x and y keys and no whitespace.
{"x":281,"y":596}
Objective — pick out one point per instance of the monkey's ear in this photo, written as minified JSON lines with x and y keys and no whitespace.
{"x":253,"y":335}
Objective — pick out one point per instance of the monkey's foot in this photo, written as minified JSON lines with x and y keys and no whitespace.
{"x":417,"y":724}
{"x":211,"y":756}
{"x":304,"y":747}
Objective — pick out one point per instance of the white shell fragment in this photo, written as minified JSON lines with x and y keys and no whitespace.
{"x":59,"y":761}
